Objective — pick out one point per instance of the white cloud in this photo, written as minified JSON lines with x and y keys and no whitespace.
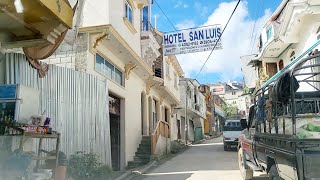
{"x":181,"y":4}
{"x":201,"y":9}
{"x":235,"y":40}
{"x":186,"y":24}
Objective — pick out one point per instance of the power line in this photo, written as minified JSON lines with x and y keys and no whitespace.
{"x":257,"y":10}
{"x":203,"y":26}
{"x":165,"y":15}
{"x":218,"y":39}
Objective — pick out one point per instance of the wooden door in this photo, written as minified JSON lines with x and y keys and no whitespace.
{"x":272,"y":69}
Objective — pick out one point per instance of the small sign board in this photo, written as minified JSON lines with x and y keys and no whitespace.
{"x":192,"y":40}
{"x":8,"y":91}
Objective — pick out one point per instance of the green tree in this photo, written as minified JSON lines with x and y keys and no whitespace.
{"x":230,"y":109}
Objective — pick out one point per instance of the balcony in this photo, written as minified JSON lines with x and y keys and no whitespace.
{"x":297,"y":15}
{"x":149,"y":44}
{"x":26,"y":23}
{"x":270,"y":45}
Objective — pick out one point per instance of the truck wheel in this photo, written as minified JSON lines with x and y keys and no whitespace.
{"x":273,"y":173}
{"x":246,"y":172}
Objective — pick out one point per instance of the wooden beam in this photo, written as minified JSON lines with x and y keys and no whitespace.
{"x":26,"y":43}
{"x":28,"y":26}
{"x":61,"y":10}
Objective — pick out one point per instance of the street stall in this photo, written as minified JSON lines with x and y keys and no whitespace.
{"x":23,"y":134}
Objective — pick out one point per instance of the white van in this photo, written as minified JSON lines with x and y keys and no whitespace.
{"x":231,"y":132}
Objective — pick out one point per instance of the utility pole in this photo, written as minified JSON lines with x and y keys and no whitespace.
{"x":186,"y":114}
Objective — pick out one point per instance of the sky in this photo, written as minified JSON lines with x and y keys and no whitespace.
{"x":238,"y":39}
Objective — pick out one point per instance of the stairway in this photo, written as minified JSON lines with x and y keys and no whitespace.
{"x":143,"y":154}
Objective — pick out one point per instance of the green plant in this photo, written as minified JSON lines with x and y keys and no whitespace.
{"x":230,"y":110}
{"x":84,"y":166}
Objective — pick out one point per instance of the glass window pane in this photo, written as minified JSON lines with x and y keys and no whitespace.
{"x":118,"y":77}
{"x":130,"y":14}
{"x":145,"y":20}
{"x":109,"y":70}
{"x":99,"y":63}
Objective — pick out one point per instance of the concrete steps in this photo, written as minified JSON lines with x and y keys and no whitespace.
{"x":143,"y":154}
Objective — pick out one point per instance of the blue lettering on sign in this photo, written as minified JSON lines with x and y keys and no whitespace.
{"x":194,"y":35}
{"x":174,"y":38}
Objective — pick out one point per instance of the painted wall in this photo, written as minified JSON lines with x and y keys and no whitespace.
{"x":94,"y":8}
{"x":169,"y":80}
{"x":104,"y":12}
{"x":117,"y":12}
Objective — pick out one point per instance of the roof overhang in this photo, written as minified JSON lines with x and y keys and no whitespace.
{"x":105,"y":36}
{"x":169,"y":95}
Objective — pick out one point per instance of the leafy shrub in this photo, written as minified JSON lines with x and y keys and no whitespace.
{"x":86,"y":167}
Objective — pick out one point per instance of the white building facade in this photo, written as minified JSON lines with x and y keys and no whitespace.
{"x":117,"y":42}
{"x":291,"y":33}
{"x":192,"y":119}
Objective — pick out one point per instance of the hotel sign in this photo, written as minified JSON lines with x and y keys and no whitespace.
{"x":192,"y":40}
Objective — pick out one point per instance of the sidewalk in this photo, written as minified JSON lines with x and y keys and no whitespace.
{"x":136,"y":172}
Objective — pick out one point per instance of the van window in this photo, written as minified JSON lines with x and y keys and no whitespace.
{"x":232,"y":126}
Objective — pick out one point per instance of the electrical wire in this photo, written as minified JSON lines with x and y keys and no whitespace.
{"x":218,"y":39}
{"x":203,"y":26}
{"x":165,"y":15}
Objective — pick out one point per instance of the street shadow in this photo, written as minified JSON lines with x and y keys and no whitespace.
{"x":165,"y":176}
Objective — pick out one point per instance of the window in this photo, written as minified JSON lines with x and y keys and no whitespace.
{"x":129,"y":14}
{"x":281,"y":65}
{"x":318,"y":33}
{"x":145,"y":18}
{"x":233,"y":93}
{"x":107,"y":69}
{"x":269,"y":32}
{"x":292,"y":56}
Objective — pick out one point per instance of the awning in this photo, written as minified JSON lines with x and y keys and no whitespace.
{"x":219,"y":112}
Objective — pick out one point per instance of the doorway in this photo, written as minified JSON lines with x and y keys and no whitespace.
{"x":144,"y":114}
{"x":271,"y":69}
{"x":115,"y":131}
{"x":179,"y":129}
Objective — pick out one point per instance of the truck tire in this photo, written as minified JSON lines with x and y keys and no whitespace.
{"x":273,"y":173}
{"x":245,"y":171}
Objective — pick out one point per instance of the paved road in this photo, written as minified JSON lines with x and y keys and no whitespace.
{"x":200,"y":162}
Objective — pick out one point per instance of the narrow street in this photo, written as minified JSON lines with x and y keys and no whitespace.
{"x":201,"y":161}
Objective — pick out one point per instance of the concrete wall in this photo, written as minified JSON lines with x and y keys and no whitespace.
{"x":163,"y":146}
{"x":117,"y":12}
{"x":230,"y":98}
{"x":96,"y":12}
{"x":169,"y":80}
{"x":104,"y":12}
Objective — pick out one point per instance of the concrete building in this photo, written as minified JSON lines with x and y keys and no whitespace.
{"x":291,"y":33}
{"x":250,"y":68}
{"x":193,"y":105}
{"x":218,"y":113}
{"x":228,"y":91}
{"x":122,"y":46}
{"x":208,"y":121}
